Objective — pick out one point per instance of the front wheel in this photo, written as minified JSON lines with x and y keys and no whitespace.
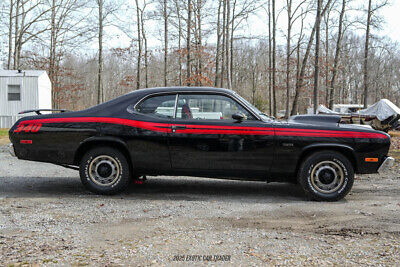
{"x":326,"y":176}
{"x":104,"y":170}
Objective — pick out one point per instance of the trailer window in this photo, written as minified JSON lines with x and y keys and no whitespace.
{"x":14,"y":92}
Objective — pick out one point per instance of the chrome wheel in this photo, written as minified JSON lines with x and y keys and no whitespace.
{"x":104,"y":170}
{"x":327,"y":177}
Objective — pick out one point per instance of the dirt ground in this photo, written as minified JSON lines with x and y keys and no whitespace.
{"x":46,"y":217}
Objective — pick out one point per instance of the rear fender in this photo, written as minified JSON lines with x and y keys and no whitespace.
{"x":94,"y":141}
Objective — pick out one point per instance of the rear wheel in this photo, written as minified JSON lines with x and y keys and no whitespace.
{"x":105,"y":171}
{"x":326,"y":176}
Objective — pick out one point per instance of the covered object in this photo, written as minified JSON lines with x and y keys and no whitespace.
{"x":382,"y":110}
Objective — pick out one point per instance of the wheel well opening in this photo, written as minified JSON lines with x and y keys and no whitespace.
{"x":344,"y":151}
{"x":98,"y":143}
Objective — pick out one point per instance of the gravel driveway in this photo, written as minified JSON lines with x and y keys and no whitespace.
{"x":47,"y":217}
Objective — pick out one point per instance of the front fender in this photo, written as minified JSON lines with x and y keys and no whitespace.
{"x":347,"y":150}
{"x":328,"y":145}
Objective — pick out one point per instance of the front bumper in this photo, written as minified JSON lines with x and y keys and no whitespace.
{"x":11,"y":150}
{"x":386,"y":164}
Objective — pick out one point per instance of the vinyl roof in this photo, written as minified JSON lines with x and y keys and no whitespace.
{"x":26,"y":73}
{"x":181,"y":89}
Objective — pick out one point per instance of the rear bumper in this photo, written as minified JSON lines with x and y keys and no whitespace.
{"x":386,"y":164}
{"x":11,"y":150}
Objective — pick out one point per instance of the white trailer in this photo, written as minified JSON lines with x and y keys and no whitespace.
{"x":22,"y":90}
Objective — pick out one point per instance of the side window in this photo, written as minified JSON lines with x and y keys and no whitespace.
{"x":161,"y":106}
{"x":14,"y":92}
{"x":209,"y":107}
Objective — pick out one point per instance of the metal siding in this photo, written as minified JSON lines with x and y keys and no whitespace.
{"x":8,"y":121}
{"x":29,"y":97}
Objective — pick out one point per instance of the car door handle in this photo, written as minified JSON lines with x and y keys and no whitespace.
{"x":177,"y":127}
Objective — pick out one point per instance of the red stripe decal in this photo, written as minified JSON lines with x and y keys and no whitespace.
{"x":26,"y":141}
{"x":214,"y":129}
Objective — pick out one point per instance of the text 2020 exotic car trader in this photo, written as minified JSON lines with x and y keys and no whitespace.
{"x":206,"y":132}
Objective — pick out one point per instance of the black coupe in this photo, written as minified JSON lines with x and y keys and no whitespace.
{"x":203,"y":132}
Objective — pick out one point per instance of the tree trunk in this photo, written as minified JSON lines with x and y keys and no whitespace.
{"x":20,"y":34}
{"x":298,"y":57}
{"x":200,"y":62}
{"x":16,"y":34}
{"x":146,"y":64}
{"x":52,"y":53}
{"x":218,"y":44}
{"x":223,"y":44}
{"x":326,"y":17}
{"x":139,"y":46}
{"x":273,"y":58}
{"x":188,"y":70}
{"x":231,"y":45}
{"x":100,"y":93}
{"x":10,"y":29}
{"x":228,"y":73}
{"x":269,"y":59}
{"x":366,"y":51}
{"x":178,"y":13}
{"x":316,"y":63}
{"x":165,"y":42}
{"x":289,"y":13}
{"x":337,"y":54}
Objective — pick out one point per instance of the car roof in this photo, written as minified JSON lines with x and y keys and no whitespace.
{"x":180,"y":89}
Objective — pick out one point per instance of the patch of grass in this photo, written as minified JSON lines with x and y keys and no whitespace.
{"x":4,"y":136}
{"x":4,"y":131}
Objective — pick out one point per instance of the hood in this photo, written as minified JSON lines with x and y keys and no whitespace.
{"x":315,"y":119}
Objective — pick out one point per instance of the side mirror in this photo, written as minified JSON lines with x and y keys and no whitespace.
{"x":238,"y":117}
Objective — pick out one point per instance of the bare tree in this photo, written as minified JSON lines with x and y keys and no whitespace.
{"x":223,"y":42}
{"x":100,"y":91}
{"x":337,"y":55}
{"x":228,"y":73}
{"x":10,"y":29}
{"x":300,"y":80}
{"x":316,"y":64}
{"x":139,"y":40}
{"x":366,"y":51}
{"x":188,"y":33}
{"x":65,"y":29}
{"x":269,"y":59}
{"x":165,"y":17}
{"x":218,"y":48}
{"x":146,"y":59}
{"x":291,"y":18}
{"x":273,"y":59}
{"x":179,"y":18}
{"x":28,"y":14}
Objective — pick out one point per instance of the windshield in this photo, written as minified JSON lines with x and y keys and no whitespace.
{"x":263,"y":116}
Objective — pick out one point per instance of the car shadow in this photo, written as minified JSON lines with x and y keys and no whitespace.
{"x":156,"y":188}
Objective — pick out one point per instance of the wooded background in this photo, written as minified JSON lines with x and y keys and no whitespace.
{"x":320,"y":52}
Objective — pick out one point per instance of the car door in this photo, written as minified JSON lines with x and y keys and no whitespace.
{"x":149,"y":142}
{"x":204,"y":137}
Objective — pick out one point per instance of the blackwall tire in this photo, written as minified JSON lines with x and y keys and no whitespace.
{"x":105,"y":171}
{"x":326,"y":176}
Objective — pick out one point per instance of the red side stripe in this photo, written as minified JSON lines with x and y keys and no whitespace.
{"x":158,"y":127}
{"x":214,"y":129}
{"x":26,"y":141}
{"x":211,"y":131}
